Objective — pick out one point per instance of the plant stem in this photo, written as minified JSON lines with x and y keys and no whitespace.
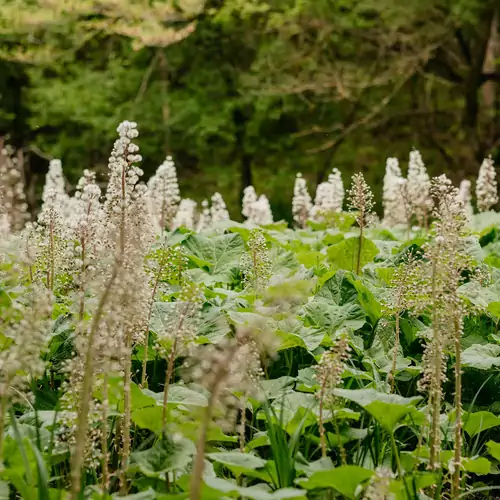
{"x":146,"y":337}
{"x":321,"y":422}
{"x":104,"y":437}
{"x":455,"y":488}
{"x":435,"y":387}
{"x":88,"y":378}
{"x":243,"y":422}
{"x":51,"y":255}
{"x":343,"y":456}
{"x":360,"y":248}
{"x":168,"y":378}
{"x":392,"y":374}
{"x":199,"y":464}
{"x":3,"y":409}
{"x":127,"y":408}
{"x":82,"y":282}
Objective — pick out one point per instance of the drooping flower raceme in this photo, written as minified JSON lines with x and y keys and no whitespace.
{"x":486,"y":186}
{"x":301,"y":203}
{"x":164,"y":194}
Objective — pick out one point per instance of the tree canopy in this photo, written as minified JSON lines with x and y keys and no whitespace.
{"x":252,"y":91}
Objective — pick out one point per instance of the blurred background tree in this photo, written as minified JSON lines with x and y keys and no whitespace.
{"x":252,"y":91}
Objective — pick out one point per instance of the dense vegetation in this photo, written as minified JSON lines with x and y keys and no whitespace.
{"x":247,"y":92}
{"x":151,"y":351}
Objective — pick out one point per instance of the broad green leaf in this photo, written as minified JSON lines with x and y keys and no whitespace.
{"x":413,"y":483}
{"x":149,"y":494}
{"x":387,"y":409}
{"x":494,"y":309}
{"x":493,"y":449}
{"x":331,"y":317}
{"x":343,"y":255}
{"x":149,"y":418}
{"x":477,"y":465}
{"x":179,"y":394}
{"x":257,"y":492}
{"x":481,"y":356}
{"x":165,"y":456}
{"x":474,"y":423}
{"x":338,"y":289}
{"x":368,"y":302}
{"x":293,"y":333}
{"x":344,"y":479}
{"x":213,"y":325}
{"x":239,"y":463}
{"x":219,"y":255}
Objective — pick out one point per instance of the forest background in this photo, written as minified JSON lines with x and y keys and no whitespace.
{"x":246,"y":92}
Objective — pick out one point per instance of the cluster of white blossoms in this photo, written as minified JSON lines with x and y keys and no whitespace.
{"x":257,"y":210}
{"x":393,"y":196}
{"x":164,"y":195}
{"x":465,"y":197}
{"x":329,"y":197}
{"x":406,"y":201}
{"x":486,"y":186}
{"x":218,"y":210}
{"x":418,"y":188}
{"x":301,"y":202}
{"x":205,"y":218}
{"x":186,"y":214}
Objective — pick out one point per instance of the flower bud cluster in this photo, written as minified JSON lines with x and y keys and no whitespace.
{"x":360,"y":199}
{"x":256,"y":262}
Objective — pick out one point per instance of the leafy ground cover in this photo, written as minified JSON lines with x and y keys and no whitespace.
{"x":344,"y":359}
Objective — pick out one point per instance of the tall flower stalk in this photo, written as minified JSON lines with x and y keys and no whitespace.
{"x":329,"y":376}
{"x":234,"y":364}
{"x":180,"y":331}
{"x":360,"y":199}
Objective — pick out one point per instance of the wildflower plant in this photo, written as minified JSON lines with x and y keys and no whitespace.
{"x":418,"y":189}
{"x":360,"y":199}
{"x":256,"y":262}
{"x":129,"y":349}
{"x":164,"y":195}
{"x":486,"y":186}
{"x":301,"y":203}
{"x":329,"y":372}
{"x":393,"y":199}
